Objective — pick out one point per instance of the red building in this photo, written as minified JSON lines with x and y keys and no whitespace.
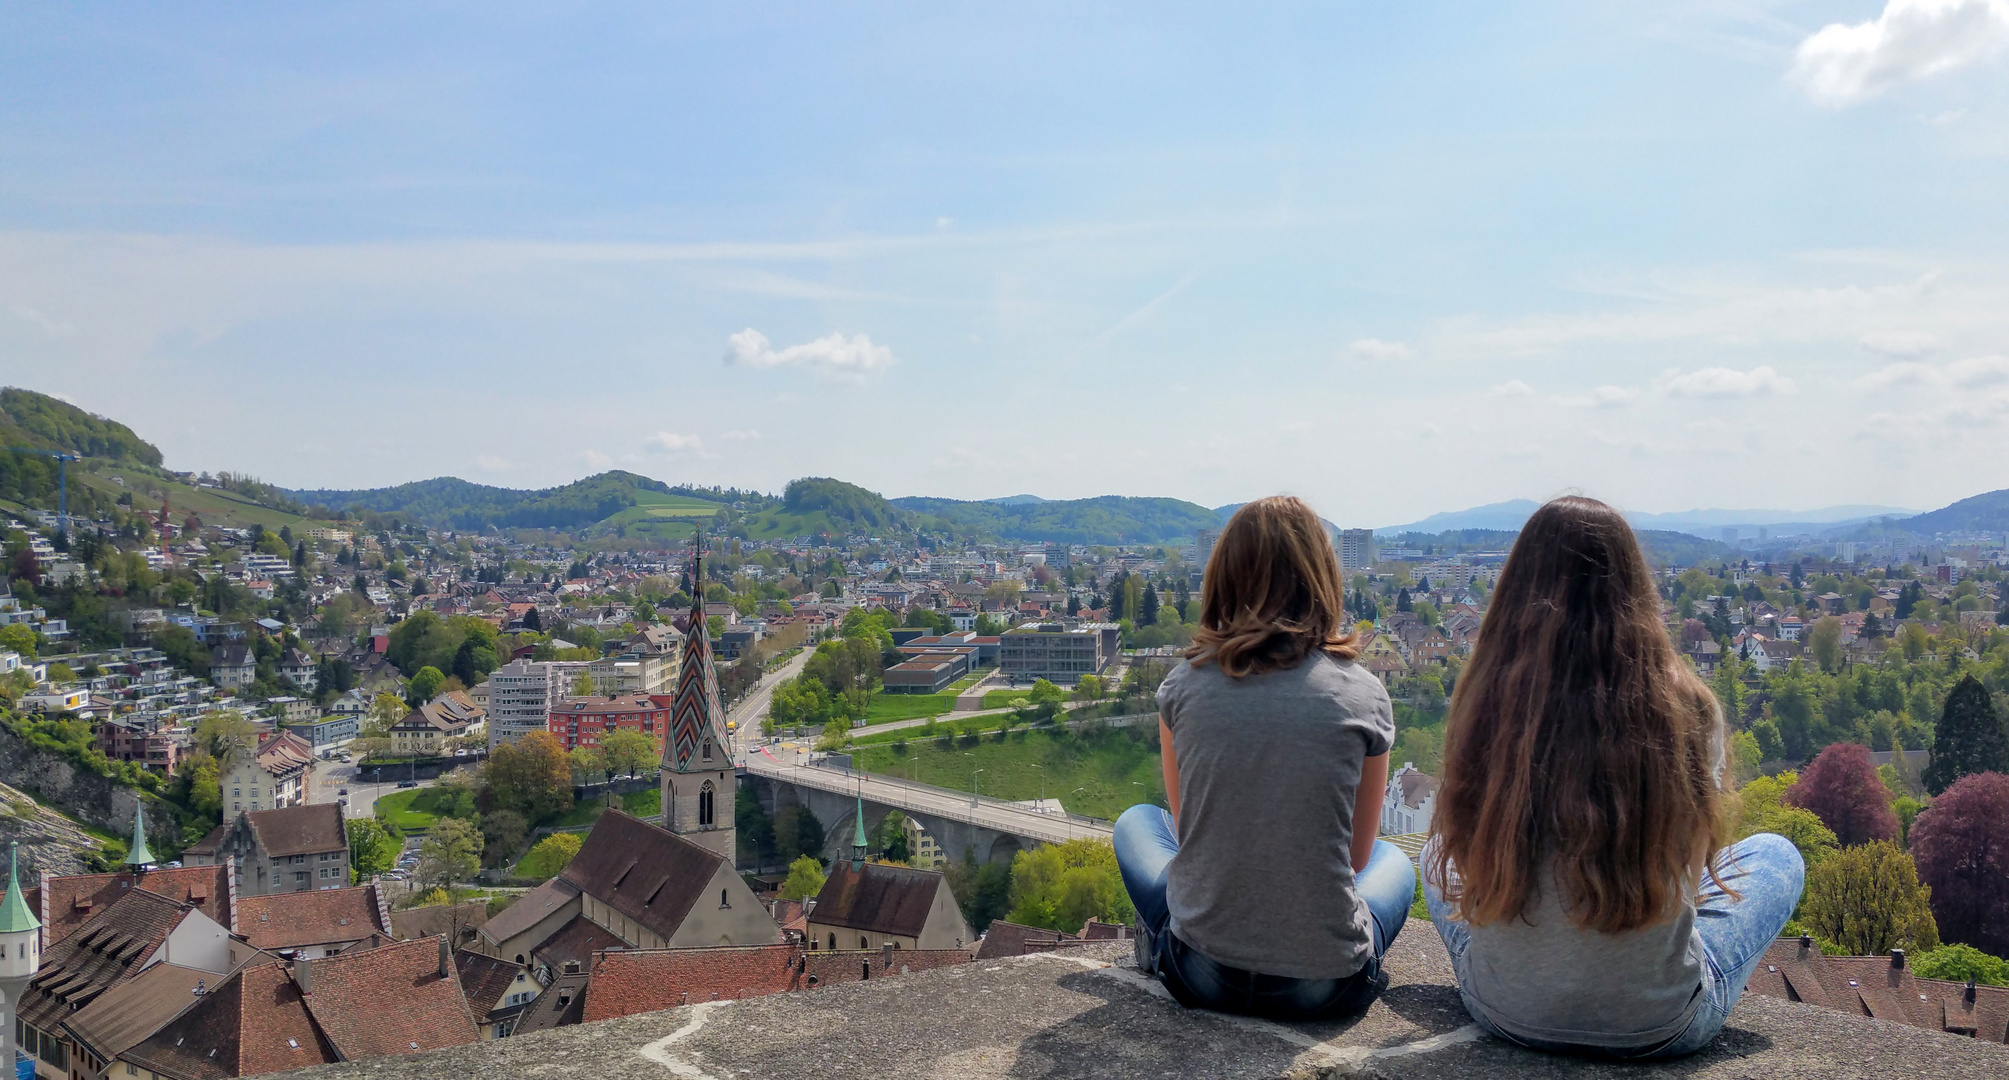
{"x":587,"y":721}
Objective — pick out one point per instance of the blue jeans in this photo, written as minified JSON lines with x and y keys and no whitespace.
{"x":1145,"y":842}
{"x":1766,"y":869}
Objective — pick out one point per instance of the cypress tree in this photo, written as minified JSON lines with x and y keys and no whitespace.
{"x":1970,"y":738}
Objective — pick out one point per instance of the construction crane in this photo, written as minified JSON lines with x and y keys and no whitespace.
{"x":63,"y":459}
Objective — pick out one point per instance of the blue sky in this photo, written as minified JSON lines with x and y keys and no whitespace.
{"x":1395,"y":258}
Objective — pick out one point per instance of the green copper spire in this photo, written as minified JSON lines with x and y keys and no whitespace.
{"x":14,"y":914}
{"x":138,"y":857}
{"x":858,"y":839}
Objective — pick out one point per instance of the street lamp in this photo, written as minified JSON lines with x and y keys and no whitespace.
{"x":1042,"y":786}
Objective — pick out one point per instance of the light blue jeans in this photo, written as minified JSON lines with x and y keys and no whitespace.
{"x":1765,"y":869}
{"x":1146,"y":840}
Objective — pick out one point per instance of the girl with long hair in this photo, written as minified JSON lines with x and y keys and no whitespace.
{"x":1264,"y":890}
{"x":1577,"y":869}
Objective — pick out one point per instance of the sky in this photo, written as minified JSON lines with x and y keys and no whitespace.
{"x":1395,"y":258}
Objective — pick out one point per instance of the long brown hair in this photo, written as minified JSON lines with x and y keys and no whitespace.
{"x":1578,"y":739}
{"x":1271,"y":593}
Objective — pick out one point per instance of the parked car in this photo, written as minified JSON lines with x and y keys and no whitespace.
{"x":344,"y":791}
{"x":408,"y":783}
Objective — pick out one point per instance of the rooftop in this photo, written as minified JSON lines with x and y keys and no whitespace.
{"x":1086,"y":1012}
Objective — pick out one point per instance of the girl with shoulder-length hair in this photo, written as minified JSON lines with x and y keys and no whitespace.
{"x":1263,"y":890}
{"x":1577,"y":869}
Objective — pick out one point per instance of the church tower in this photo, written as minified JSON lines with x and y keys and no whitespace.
{"x":697,"y":779}
{"x":20,"y":951}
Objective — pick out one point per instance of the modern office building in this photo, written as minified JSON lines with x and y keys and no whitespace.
{"x":521,"y":693}
{"x":1057,"y":654}
{"x":1356,"y":549}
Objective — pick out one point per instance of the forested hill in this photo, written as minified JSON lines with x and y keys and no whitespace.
{"x":449,"y":502}
{"x":29,"y":419}
{"x":1982,"y":513}
{"x":1107,"y":519}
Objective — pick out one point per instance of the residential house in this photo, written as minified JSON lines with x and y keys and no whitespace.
{"x":232,"y":666}
{"x":1409,"y":803}
{"x":302,"y":848}
{"x":296,"y":667}
{"x":425,"y":729}
{"x":497,"y":991}
{"x":587,"y":721}
{"x":275,"y":775}
{"x":306,"y":925}
{"x":1882,"y":987}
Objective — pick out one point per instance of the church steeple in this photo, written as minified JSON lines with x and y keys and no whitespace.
{"x":138,"y":856}
{"x":697,"y":779}
{"x":14,"y":914}
{"x":858,"y":838}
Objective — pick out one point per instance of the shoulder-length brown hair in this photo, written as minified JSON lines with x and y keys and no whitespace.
{"x":1271,"y":593}
{"x":1578,"y":739}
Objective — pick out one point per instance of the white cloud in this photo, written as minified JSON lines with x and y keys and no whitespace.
{"x":1719,"y":382}
{"x":1368,"y":348}
{"x":1913,"y":39}
{"x":1604,"y":397}
{"x":831,"y":355}
{"x":1512,"y":388}
{"x":491,"y":463}
{"x":598,"y":461}
{"x":744,"y":435}
{"x":673,"y":443}
{"x":1901,"y":342}
{"x":1968,"y":374}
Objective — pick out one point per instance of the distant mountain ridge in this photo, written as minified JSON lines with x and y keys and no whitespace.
{"x":1105,"y":519}
{"x":448,"y":502}
{"x":1510,"y":516}
{"x":1987,"y":512}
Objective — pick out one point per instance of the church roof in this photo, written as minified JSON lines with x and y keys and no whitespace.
{"x":643,"y":871}
{"x":878,"y":898}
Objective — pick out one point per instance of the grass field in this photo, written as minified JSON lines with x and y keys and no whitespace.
{"x":1099,"y":773}
{"x":214,"y":507}
{"x":659,"y":516}
{"x":413,"y":808}
{"x":647,"y":803}
{"x":885,"y":708}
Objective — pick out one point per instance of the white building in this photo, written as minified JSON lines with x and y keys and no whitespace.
{"x":521,"y":693}
{"x":1409,"y":802}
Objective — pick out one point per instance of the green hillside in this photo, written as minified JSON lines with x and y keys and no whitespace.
{"x":820,"y":506}
{"x":624,"y":500}
{"x":1982,"y":513}
{"x":31,"y":419}
{"x":1108,"y":519}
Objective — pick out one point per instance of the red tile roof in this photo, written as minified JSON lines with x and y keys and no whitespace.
{"x":249,"y":1025}
{"x":300,"y":830}
{"x":879,"y":899}
{"x":66,"y":903}
{"x":1875,"y":986}
{"x":107,"y":950}
{"x":577,"y":941}
{"x":388,"y":1001}
{"x":326,"y":917}
{"x":625,"y":983}
{"x":484,"y":979}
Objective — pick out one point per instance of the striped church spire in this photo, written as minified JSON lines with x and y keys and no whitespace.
{"x":695,"y":711}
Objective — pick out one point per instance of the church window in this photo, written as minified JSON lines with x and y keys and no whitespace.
{"x":722,"y":901}
{"x":705,"y":805}
{"x":708,"y":749}
{"x":833,"y":941}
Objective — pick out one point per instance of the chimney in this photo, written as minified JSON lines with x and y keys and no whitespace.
{"x":886,"y":956}
{"x":1806,"y":945}
{"x":445,"y":957}
{"x":1967,"y":994}
{"x":1897,"y":959}
{"x":300,"y":976}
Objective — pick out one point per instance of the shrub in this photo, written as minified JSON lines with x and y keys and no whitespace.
{"x":1959,"y":963}
{"x":550,"y":856}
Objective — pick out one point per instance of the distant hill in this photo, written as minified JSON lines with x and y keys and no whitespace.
{"x":1980,"y":513}
{"x":819,"y":505}
{"x":1106,"y":519}
{"x":1509,"y":516}
{"x":31,"y":419}
{"x":449,"y":502}
{"x":1016,"y":500}
{"x":1706,"y":524}
{"x":1228,"y":511}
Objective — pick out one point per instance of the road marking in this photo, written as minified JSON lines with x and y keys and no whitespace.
{"x":659,"y":1051}
{"x":1331,"y":1052}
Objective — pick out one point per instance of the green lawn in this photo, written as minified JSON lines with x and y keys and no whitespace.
{"x":646,"y":803}
{"x":413,"y":808}
{"x":999,"y":699}
{"x":886,"y":707}
{"x":1114,"y":768}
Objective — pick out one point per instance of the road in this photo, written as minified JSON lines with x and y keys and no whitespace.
{"x":992,"y":814}
{"x":753,"y":708}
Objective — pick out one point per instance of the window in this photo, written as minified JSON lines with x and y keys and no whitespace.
{"x":863,"y":942}
{"x":722,"y":901}
{"x":833,"y":941}
{"x":708,"y":749}
{"x":705,"y":805}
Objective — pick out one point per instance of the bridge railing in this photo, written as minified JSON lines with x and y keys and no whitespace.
{"x":1060,"y":825}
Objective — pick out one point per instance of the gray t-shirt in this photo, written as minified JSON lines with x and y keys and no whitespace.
{"x":1268,"y":766}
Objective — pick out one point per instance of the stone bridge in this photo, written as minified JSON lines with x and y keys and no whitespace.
{"x":992,"y":828}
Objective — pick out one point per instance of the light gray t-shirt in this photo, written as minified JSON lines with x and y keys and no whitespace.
{"x":1543,"y":977}
{"x":1268,"y":767}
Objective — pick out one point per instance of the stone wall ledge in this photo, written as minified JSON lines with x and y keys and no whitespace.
{"x":1088,"y":1013}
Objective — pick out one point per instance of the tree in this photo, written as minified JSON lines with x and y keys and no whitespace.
{"x":1968,"y":739}
{"x":372,"y":848}
{"x":18,"y":638}
{"x":982,"y":891}
{"x":423,"y":686}
{"x":892,"y":838}
{"x":533,"y":621}
{"x":587,"y":762}
{"x":805,"y":879}
{"x":1866,"y":900}
{"x":582,"y":684}
{"x":502,"y":834}
{"x":1089,"y":688}
{"x":1824,"y":641}
{"x":1764,"y":810}
{"x":1842,"y":787}
{"x":451,"y":855}
{"x":1061,"y":886}
{"x":797,"y":832}
{"x":385,"y":710}
{"x":1402,"y":601}
{"x":1959,"y":963}
{"x":629,"y":752}
{"x":550,"y":856}
{"x":1961,"y":843}
{"x":1147,"y":606}
{"x":1046,"y":693}
{"x":530,"y":776}
{"x":474,"y":660}
{"x":224,"y":734}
